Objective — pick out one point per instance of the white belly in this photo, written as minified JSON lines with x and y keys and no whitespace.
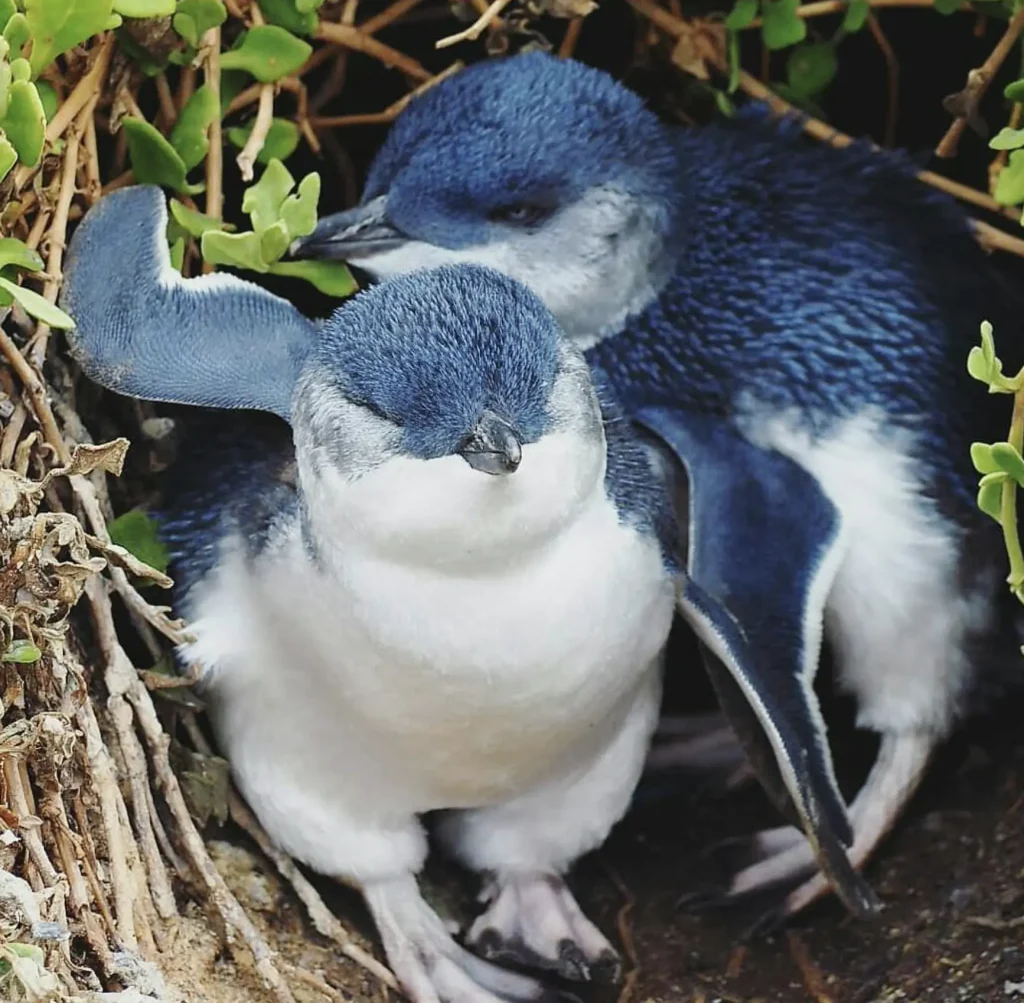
{"x":420,"y":690}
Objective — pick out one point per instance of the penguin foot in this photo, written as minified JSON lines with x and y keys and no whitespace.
{"x":532,"y":920}
{"x":785,"y":854}
{"x":430,"y":966}
{"x":699,"y":743}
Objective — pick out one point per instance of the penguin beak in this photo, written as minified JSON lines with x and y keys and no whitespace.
{"x":351,"y":235}
{"x":493,"y":446}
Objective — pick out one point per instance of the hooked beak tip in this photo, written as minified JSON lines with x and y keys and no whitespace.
{"x":493,"y":447}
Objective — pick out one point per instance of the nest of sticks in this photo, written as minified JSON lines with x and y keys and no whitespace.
{"x":106,"y":779}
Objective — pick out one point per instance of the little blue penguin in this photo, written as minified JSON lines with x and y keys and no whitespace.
{"x":790,"y":323}
{"x":444,"y":589}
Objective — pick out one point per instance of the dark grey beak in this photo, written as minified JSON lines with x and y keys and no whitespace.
{"x":350,"y":235}
{"x":493,"y":446}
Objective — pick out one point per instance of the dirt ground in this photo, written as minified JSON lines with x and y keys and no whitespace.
{"x":951,"y":876}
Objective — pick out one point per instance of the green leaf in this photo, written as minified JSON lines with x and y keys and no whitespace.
{"x":280,"y":144}
{"x":856,"y":16}
{"x":15,"y":254}
{"x":5,"y":87}
{"x":811,"y":68}
{"x":1006,"y":457}
{"x":25,"y":122}
{"x":1014,"y":91}
{"x":137,"y":532}
{"x":285,"y":14}
{"x":298,"y":211}
{"x":195,"y":224}
{"x":190,"y":135}
{"x":990,"y":495}
{"x":59,"y":25}
{"x":8,"y":9}
{"x":144,"y":8}
{"x":48,"y":97}
{"x":21,"y":70}
{"x":268,"y":53}
{"x":742,"y":14}
{"x":17,"y":33}
{"x":735,"y":69}
{"x":1007,"y":139}
{"x":24,"y":653}
{"x":1010,"y":186}
{"x":8,"y":156}
{"x":308,"y":6}
{"x":38,"y":307}
{"x":981,"y":457}
{"x":178,"y":254}
{"x":331,"y":277}
{"x":782,"y":27}
{"x":722,"y":103}
{"x":262,"y":201}
{"x":154,"y":160}
{"x":948,"y":6}
{"x":274,"y":242}
{"x":232,"y":83}
{"x":237,"y":250}
{"x":196,"y":17}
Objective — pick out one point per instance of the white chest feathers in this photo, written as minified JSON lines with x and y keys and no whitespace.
{"x":434,"y":684}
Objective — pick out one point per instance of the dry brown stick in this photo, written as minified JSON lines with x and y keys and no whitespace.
{"x":315,"y":982}
{"x":477,"y":28}
{"x":35,"y":235}
{"x":186,"y":86}
{"x":994,"y":239}
{"x":246,"y":158}
{"x":325,"y":922}
{"x":56,"y":236}
{"x":84,"y":91}
{"x":892,"y":67}
{"x":19,"y":799}
{"x":978,"y":81}
{"x":387,"y":16}
{"x":36,"y":391}
{"x":93,"y":181}
{"x":390,"y":113}
{"x":138,"y":782}
{"x":104,"y":774}
{"x":812,"y":126}
{"x":52,"y":809}
{"x":822,"y":7}
{"x":571,"y":37}
{"x":352,"y":38}
{"x":168,"y":109}
{"x":99,"y":896}
{"x":122,"y":680}
{"x":813,"y":981}
{"x":215,"y":158}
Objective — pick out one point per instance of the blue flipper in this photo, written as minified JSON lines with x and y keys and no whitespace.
{"x":144,"y":331}
{"x":764,"y":546}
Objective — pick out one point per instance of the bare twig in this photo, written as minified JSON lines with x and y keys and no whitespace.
{"x":977,"y":83}
{"x":387,"y":16}
{"x":813,"y":980}
{"x":352,"y":38}
{"x":572,"y":36}
{"x":246,"y":159}
{"x":477,"y":28}
{"x":892,"y":66}
{"x":215,"y":158}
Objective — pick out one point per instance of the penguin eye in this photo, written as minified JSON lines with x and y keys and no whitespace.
{"x":520,"y":214}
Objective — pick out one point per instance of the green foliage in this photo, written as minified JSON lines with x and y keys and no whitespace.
{"x":136,"y":531}
{"x":144,"y":8}
{"x":190,"y":135}
{"x":22,"y":652}
{"x":268,"y":53}
{"x":14,"y":257}
{"x":281,"y":142}
{"x":59,"y":25}
{"x":782,"y":26}
{"x":286,"y":14}
{"x":154,"y":160}
{"x":1001,"y":463}
{"x":196,"y":17}
{"x":278,"y":217}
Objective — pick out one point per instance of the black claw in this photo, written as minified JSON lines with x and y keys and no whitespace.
{"x":703,"y":899}
{"x":607,"y":969}
{"x":572,"y":963}
{"x":490,"y":945}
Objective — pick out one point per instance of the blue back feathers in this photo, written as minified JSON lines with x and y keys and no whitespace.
{"x":432,"y":354}
{"x":530,"y":128}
